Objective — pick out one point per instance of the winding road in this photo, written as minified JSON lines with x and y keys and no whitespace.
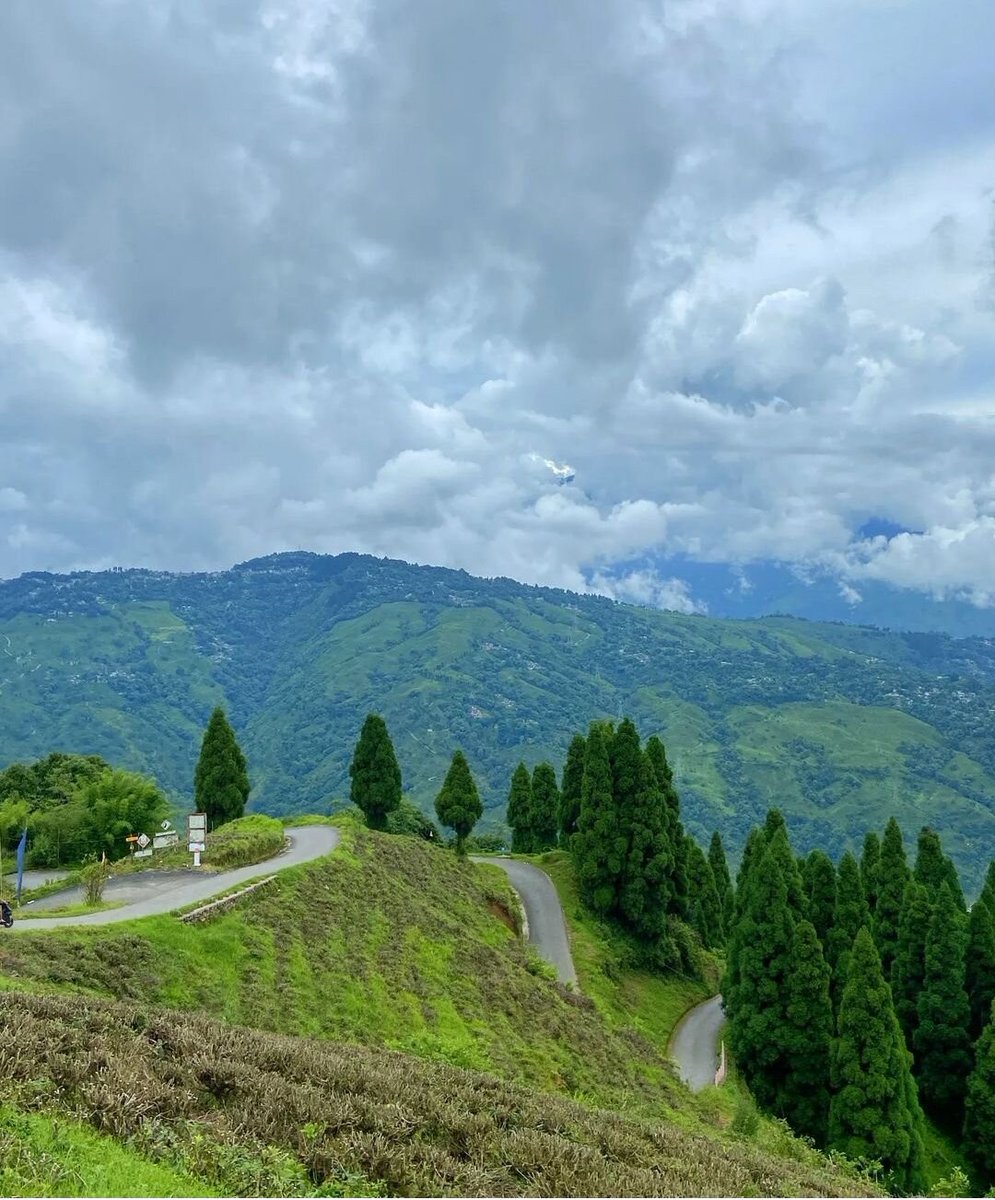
{"x":166,"y":891}
{"x":695,"y":1043}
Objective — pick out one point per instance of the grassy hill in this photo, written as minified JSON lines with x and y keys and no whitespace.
{"x":839,"y":725}
{"x":369,"y":1025}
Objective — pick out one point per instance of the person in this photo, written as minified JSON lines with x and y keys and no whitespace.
{"x":6,"y":914}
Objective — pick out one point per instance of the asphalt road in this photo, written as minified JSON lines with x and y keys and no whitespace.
{"x":148,"y":894}
{"x":547,"y":927}
{"x":695,"y":1044}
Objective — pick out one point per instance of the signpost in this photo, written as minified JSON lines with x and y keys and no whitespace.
{"x":196,"y":835}
{"x":167,"y":837}
{"x":144,"y":848}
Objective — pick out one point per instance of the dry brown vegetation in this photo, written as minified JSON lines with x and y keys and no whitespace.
{"x":188,"y":1090}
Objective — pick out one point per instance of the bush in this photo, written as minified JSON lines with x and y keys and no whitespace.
{"x":94,"y":878}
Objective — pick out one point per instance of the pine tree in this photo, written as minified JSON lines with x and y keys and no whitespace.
{"x":599,"y":846}
{"x":849,"y":917}
{"x":980,"y":967}
{"x":458,"y":803}
{"x":644,"y":886}
{"x":706,"y":907}
{"x":759,"y":1029}
{"x":520,"y":811}
{"x":821,"y":879}
{"x":941,"y":1045}
{"x":571,"y":792}
{"x":934,"y":868}
{"x":979,"y":1107}
{"x":774,"y":825}
{"x":720,"y":868}
{"x":221,"y":779}
{"x":909,"y":967}
{"x":893,"y":876}
{"x":804,"y":1093}
{"x":545,"y":808}
{"x":375,"y":775}
{"x":679,"y":884}
{"x":870,"y":866}
{"x":736,"y":925}
{"x":874,"y":1112}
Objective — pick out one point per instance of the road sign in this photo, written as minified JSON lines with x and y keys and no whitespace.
{"x":143,"y":853}
{"x":143,"y":840}
{"x":196,"y":835}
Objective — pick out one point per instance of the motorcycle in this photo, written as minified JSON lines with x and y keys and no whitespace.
{"x":6,"y":915}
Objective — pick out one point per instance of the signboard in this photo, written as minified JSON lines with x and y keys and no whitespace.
{"x":143,"y":840}
{"x":197,"y":846}
{"x":196,"y":835}
{"x":143,"y":853}
{"x":161,"y":840}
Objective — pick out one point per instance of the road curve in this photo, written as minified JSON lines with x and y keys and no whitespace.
{"x":547,"y":926}
{"x":695,"y":1043}
{"x":306,"y":842}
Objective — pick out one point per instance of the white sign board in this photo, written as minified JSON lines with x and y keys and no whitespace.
{"x":143,"y":840}
{"x":161,"y":840}
{"x":196,"y":835}
{"x":197,"y":846}
{"x":143,"y":853}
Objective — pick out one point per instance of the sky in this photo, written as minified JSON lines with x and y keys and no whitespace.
{"x":531,"y":289}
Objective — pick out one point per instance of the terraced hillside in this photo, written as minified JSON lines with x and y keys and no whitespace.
{"x":839,"y":725}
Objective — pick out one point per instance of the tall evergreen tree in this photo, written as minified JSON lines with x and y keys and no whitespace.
{"x":980,"y":967}
{"x":572,"y":789}
{"x":849,"y":917}
{"x":458,"y":803}
{"x":519,"y":812}
{"x":988,"y":890}
{"x":874,"y":1112}
{"x":797,"y":899}
{"x":870,"y":866}
{"x":941,"y":1045}
{"x":821,"y":894}
{"x":934,"y":868}
{"x":736,"y":924}
{"x":909,"y":967}
{"x":979,"y":1108}
{"x":893,"y":876}
{"x":804,"y":1092}
{"x":375,"y":775}
{"x":679,"y":883}
{"x":221,"y":778}
{"x":599,"y":846}
{"x":644,"y":893}
{"x":706,"y":908}
{"x":545,"y":808}
{"x":720,"y":868}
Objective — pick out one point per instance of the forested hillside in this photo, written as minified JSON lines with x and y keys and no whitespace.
{"x":839,"y":726}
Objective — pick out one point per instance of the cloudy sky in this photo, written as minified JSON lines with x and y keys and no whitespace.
{"x":371,"y":274}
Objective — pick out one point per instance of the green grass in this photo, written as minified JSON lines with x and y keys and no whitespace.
{"x":43,"y":1155}
{"x":240,"y":843}
{"x":68,"y":910}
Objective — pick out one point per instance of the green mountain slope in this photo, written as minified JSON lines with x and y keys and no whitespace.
{"x":839,"y":725}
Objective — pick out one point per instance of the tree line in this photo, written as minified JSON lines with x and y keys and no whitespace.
{"x":861,"y":996}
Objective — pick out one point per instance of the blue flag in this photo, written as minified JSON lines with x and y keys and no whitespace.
{"x":22,"y":845}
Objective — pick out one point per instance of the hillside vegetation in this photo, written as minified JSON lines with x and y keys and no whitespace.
{"x":839,"y":726}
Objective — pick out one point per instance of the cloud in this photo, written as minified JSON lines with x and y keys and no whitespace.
{"x":368,"y":274}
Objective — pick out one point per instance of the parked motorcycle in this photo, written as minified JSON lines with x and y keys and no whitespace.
{"x":6,"y":914}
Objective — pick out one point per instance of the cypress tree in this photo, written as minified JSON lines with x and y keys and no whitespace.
{"x":644,"y":894}
{"x":720,"y":868}
{"x":773,"y":826}
{"x":679,"y":883}
{"x":849,"y":917}
{"x":821,"y":894}
{"x":804,"y":1093}
{"x":933,"y":868}
{"x":979,"y":1107}
{"x":870,"y":865}
{"x":752,"y":853}
{"x":941,"y":1045}
{"x":573,"y":784}
{"x":874,"y":1112}
{"x":221,"y":779}
{"x":909,"y":967}
{"x":735,"y":924}
{"x":458,"y":803}
{"x":520,"y":810}
{"x":706,"y":907}
{"x":893,"y":876}
{"x":980,"y":968}
{"x":375,"y":775}
{"x":545,"y":808}
{"x":598,"y":848}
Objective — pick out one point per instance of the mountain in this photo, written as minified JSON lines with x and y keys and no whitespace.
{"x":838,"y":725}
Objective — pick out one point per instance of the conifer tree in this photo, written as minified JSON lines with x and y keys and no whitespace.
{"x":870,"y":866}
{"x":909,"y":966}
{"x":934,"y":868}
{"x":720,"y":869}
{"x":545,"y":808}
{"x":644,"y":894}
{"x":599,"y":846}
{"x":773,"y":825}
{"x":458,"y":804}
{"x":375,"y":775}
{"x":979,"y":1107}
{"x":679,"y":883}
{"x":221,"y":779}
{"x":874,"y":1112}
{"x":706,"y":907}
{"x":520,"y":811}
{"x":804,"y":1094}
{"x":573,"y":784}
{"x":752,"y":854}
{"x":821,"y":878}
{"x":893,"y":876}
{"x":987,"y":896}
{"x":980,"y":967}
{"x":849,"y":916}
{"x":941,"y":1046}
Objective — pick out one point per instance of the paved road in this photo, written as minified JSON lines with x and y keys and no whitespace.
{"x":33,"y":879}
{"x":695,"y":1044}
{"x":154,"y":892}
{"x":547,"y":927}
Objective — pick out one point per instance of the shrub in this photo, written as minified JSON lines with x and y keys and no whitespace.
{"x":94,"y":878}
